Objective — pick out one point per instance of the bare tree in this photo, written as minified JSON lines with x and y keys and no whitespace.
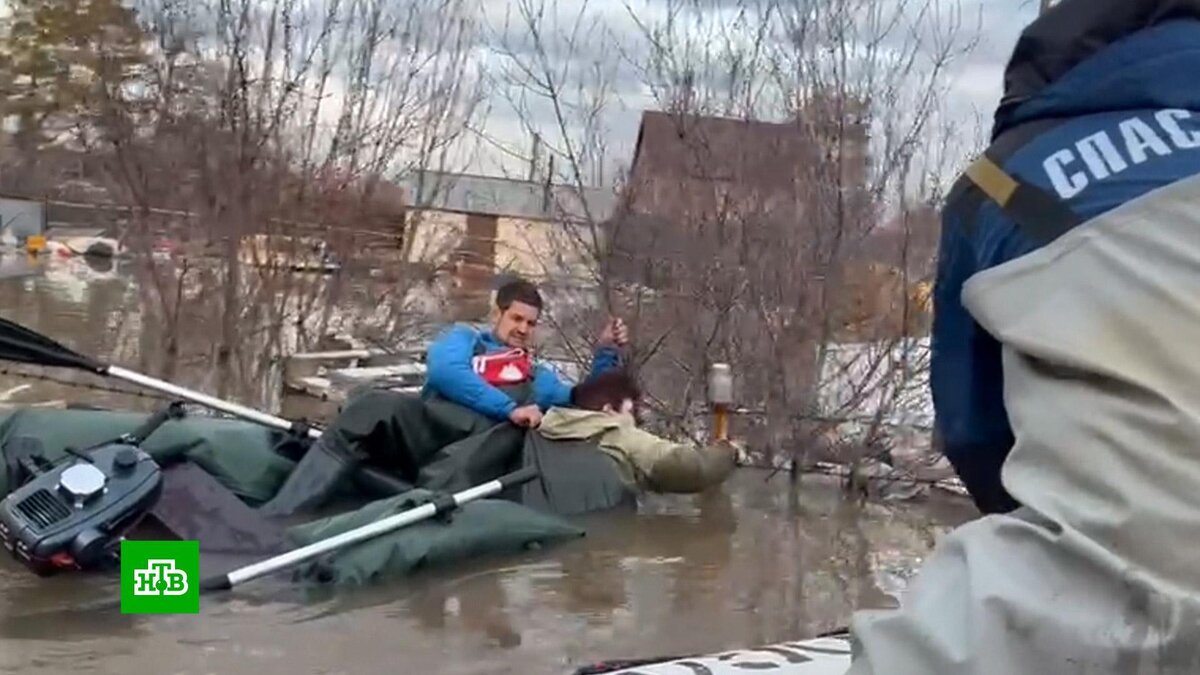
{"x":263,"y":134}
{"x":559,"y":85}
{"x":750,"y":224}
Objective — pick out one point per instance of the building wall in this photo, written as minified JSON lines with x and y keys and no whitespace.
{"x":526,"y":247}
{"x":693,"y":168}
{"x":538,"y":249}
{"x":477,"y":247}
{"x":434,"y":235}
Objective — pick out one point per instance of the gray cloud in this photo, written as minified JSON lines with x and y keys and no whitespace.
{"x":610,"y":38}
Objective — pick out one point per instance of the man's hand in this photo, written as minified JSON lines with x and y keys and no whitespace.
{"x":528,"y":416}
{"x":615,"y":333}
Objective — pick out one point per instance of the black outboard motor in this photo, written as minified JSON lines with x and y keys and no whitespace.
{"x":73,"y":515}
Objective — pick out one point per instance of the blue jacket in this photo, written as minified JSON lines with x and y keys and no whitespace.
{"x":450,"y":374}
{"x":1096,"y":119}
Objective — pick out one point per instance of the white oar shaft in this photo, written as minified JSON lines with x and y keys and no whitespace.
{"x":205,"y":400}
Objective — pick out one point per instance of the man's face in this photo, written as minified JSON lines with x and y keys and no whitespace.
{"x":515,"y":325}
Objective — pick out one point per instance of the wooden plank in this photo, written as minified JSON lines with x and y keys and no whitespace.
{"x":333,"y":385}
{"x":336,"y":355}
{"x":405,"y":371}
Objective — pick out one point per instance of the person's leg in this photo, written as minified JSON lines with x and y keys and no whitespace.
{"x":365,"y":426}
{"x":316,"y":476}
{"x":396,"y":432}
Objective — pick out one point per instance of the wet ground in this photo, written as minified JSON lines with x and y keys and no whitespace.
{"x":761,"y":560}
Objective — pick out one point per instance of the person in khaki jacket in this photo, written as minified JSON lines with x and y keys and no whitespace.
{"x":602,"y":412}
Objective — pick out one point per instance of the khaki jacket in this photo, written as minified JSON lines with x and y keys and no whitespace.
{"x":645,"y":460}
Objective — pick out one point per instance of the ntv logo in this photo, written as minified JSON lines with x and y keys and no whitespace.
{"x":160,"y":577}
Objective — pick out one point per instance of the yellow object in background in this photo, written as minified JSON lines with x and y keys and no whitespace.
{"x":35,"y":243}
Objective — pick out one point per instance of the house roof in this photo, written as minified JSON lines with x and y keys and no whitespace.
{"x":722,"y":148}
{"x":704,"y":146}
{"x":494,"y":195}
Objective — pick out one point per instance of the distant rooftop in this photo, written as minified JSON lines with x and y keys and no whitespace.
{"x":716,"y":148}
{"x":508,"y":197}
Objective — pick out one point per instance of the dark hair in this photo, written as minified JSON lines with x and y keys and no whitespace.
{"x":518,"y":290}
{"x":608,"y":388}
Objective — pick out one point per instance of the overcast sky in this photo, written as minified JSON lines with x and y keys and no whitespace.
{"x":609,"y":40}
{"x":975,"y":90}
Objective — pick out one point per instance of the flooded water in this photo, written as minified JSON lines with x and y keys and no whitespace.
{"x":760,"y":560}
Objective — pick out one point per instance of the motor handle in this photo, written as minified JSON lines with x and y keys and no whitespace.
{"x":138,"y":436}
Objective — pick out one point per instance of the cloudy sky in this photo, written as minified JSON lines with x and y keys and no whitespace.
{"x":611,"y":41}
{"x":597,"y":51}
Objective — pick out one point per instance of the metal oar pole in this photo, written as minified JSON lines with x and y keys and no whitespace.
{"x":425,"y":511}
{"x":204,"y":399}
{"x":24,"y":345}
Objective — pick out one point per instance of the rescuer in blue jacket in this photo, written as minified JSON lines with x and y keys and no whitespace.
{"x":475,"y":375}
{"x":469,"y":364}
{"x":1101,"y":105}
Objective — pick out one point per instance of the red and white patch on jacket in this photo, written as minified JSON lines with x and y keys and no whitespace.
{"x":499,"y":368}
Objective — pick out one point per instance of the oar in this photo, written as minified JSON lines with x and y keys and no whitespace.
{"x":20,"y":344}
{"x":237,"y":577}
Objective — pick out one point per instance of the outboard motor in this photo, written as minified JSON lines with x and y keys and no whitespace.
{"x":73,"y":515}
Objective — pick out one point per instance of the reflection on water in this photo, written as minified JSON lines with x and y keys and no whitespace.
{"x":90,"y":306}
{"x":753,"y":562}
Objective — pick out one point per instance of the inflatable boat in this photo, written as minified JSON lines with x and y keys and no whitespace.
{"x":826,"y":655}
{"x":201,"y":478}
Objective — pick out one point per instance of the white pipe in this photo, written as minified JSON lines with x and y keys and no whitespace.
{"x":205,"y":400}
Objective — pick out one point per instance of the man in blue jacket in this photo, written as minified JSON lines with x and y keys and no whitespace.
{"x":1100,"y":107}
{"x":481,"y":367}
{"x":477,"y":376}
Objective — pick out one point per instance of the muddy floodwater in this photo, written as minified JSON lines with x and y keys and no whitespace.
{"x":760,"y":560}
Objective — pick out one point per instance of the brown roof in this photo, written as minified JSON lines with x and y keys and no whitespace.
{"x":716,"y":148}
{"x":731,"y":149}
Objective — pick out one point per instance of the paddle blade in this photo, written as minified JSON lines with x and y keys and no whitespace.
{"x":18,"y":343}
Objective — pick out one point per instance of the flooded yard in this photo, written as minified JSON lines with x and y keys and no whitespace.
{"x":759,"y":560}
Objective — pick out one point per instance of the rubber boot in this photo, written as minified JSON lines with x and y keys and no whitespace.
{"x":313,"y":480}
